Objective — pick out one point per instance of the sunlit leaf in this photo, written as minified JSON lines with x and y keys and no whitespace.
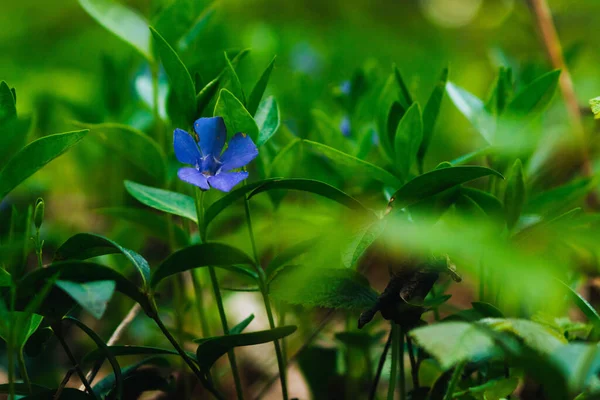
{"x":92,"y":297}
{"x":430,"y":115}
{"x":163,"y":200}
{"x":237,"y":118}
{"x":473,"y":109}
{"x":122,"y":21}
{"x":34,"y":156}
{"x":407,"y":139}
{"x":259,"y":89}
{"x":267,"y":119}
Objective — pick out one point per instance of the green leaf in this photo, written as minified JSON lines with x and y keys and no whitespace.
{"x":454,"y":342}
{"x":330,"y":287}
{"x":5,"y":278}
{"x":123,"y":22}
{"x":353,"y":163}
{"x":579,"y":364}
{"x":239,"y":328}
{"x":175,"y":20}
{"x":555,"y":200}
{"x":218,"y":206}
{"x":407,"y":139}
{"x":437,"y":181}
{"x":133,"y":145}
{"x":93,"y":296}
{"x":361,"y":241}
{"x":163,"y":200}
{"x":8,"y":107}
{"x":430,"y":115}
{"x":536,"y":96}
{"x":118,"y":351}
{"x":25,"y":325}
{"x":473,"y":109}
{"x":288,"y":255}
{"x":202,"y":255}
{"x":259,"y":89}
{"x":586,"y":308}
{"x":514,"y":196}
{"x":404,"y":93}
{"x":488,"y":203}
{"x":136,"y":379}
{"x":34,"y":156}
{"x":237,"y":118}
{"x":179,"y":77}
{"x":79,"y":271}
{"x":267,"y":119}
{"x":536,"y":336}
{"x":153,"y":224}
{"x":209,"y":351}
{"x":204,"y":97}
{"x":87,"y":245}
{"x":487,"y":309}
{"x":231,"y":81}
{"x":312,"y":186}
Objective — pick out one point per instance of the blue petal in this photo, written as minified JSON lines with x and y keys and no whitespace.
{"x":212,"y":134}
{"x":193,"y":176}
{"x":225,"y":181}
{"x":186,"y":149}
{"x":240,"y":151}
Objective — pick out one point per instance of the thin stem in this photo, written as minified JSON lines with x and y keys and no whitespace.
{"x":454,"y":381}
{"x":380,"y":367}
{"x":10,"y":346}
{"x":401,"y":375}
{"x":23,"y":370}
{"x":63,"y":384}
{"x":200,"y":304}
{"x":116,"y":335}
{"x":414,"y":368}
{"x":393,"y":370}
{"x":265,"y":293}
{"x":553,"y":48}
{"x":185,"y":357}
{"x":217,"y":292}
{"x":38,"y":249}
{"x":59,"y":335}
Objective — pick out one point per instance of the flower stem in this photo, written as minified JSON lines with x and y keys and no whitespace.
{"x":414,"y":365}
{"x":401,"y":380}
{"x":380,"y":367}
{"x":23,"y":370}
{"x":217,"y":292}
{"x":265,"y":293}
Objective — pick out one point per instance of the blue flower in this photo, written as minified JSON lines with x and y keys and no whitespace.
{"x":345,"y":126}
{"x":210,"y":168}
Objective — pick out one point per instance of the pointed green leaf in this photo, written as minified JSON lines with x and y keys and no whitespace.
{"x":179,"y":77}
{"x":407,"y":140}
{"x":25,"y":326}
{"x":555,"y":200}
{"x":355,"y":164}
{"x":330,"y":287}
{"x":175,"y":20}
{"x":122,"y":21}
{"x":133,"y":145}
{"x":92,"y":296}
{"x":5,"y":278}
{"x":87,"y":245}
{"x":119,"y":351}
{"x":163,"y":200}
{"x":8,"y":107}
{"x":586,"y":308}
{"x":152,"y":223}
{"x":79,"y":271}
{"x":267,"y":119}
{"x":231,"y":81}
{"x":473,"y":109}
{"x":437,"y":181}
{"x":514,"y":196}
{"x":218,"y":206}
{"x":34,"y":156}
{"x":203,"y":255}
{"x":312,"y":186}
{"x":239,"y":328}
{"x":259,"y":89}
{"x":209,"y":351}
{"x":361,"y":241}
{"x":237,"y":118}
{"x":430,"y":115}
{"x":288,"y":255}
{"x":535,"y":96}
{"x":204,"y":97}
{"x":405,"y":94}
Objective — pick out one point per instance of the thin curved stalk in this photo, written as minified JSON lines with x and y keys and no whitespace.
{"x":394,"y":369}
{"x":373,"y":392}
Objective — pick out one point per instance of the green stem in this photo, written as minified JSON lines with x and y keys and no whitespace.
{"x":154,"y":67}
{"x":454,"y":381}
{"x":23,"y":370}
{"x":395,"y":347}
{"x":217,"y":292}
{"x":414,"y":367}
{"x":59,"y":335}
{"x":38,"y":249}
{"x":10,"y":346}
{"x":265,"y":293}
{"x":200,"y":304}
{"x":401,"y":377}
{"x":185,"y":357}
